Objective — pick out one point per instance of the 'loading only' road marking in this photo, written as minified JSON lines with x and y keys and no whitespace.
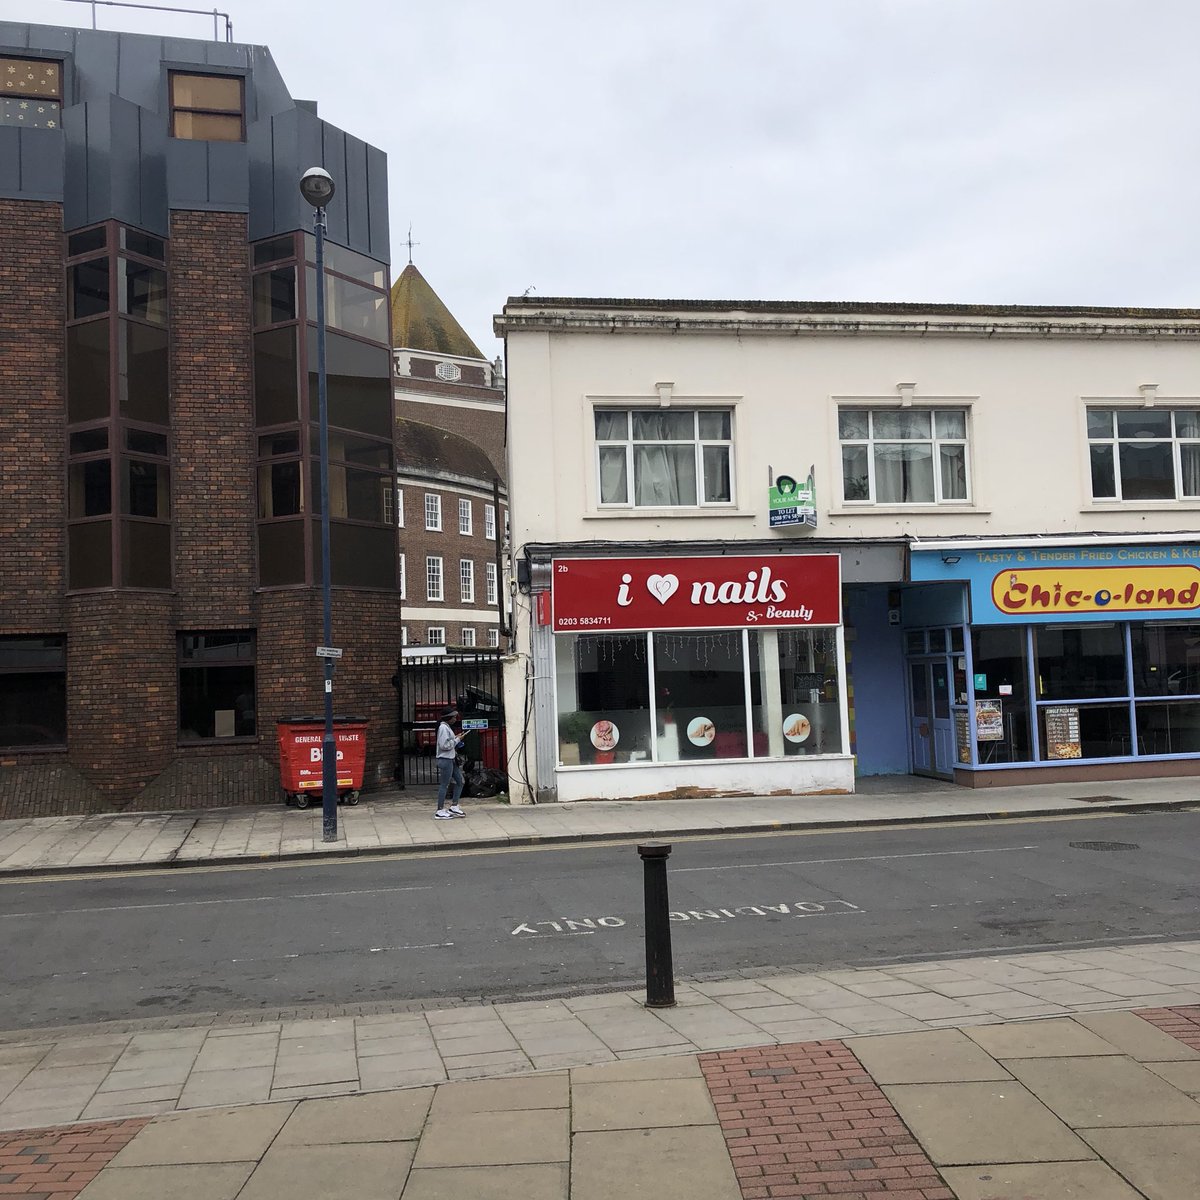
{"x":582,"y":926}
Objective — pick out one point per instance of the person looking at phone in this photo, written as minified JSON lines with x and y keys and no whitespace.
{"x":449,"y":743}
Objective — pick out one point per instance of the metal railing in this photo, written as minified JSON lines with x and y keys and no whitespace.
{"x":217,"y":17}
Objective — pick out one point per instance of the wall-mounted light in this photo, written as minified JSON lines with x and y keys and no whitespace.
{"x":951,"y":559}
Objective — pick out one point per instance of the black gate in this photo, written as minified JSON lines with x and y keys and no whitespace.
{"x":430,"y":684}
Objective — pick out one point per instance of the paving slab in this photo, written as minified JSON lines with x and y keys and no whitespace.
{"x":1039,"y":1039}
{"x":1183,"y":1075}
{"x":680,"y":1066}
{"x":1039,"y":1181}
{"x":653,"y":1164}
{"x":1163,"y":1163}
{"x":223,"y":1135}
{"x":363,"y":1171}
{"x":376,"y":1117}
{"x":640,"y":1104}
{"x":213,"y":1181}
{"x":454,"y":1100}
{"x":960,"y":1124}
{"x":247,"y":1085}
{"x":497,"y":1139}
{"x":1136,"y":1037}
{"x":936,"y":1056}
{"x":540,"y":1181}
{"x":1091,"y":1093}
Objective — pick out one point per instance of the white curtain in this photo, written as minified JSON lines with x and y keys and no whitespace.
{"x":903,"y":473}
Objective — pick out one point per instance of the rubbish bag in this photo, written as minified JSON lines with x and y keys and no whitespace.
{"x":484,"y":781}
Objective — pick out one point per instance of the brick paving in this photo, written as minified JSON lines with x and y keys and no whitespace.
{"x":58,"y":1163}
{"x":1182,"y":1023}
{"x":806,"y":1121}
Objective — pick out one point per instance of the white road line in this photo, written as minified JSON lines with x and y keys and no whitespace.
{"x":60,"y":912}
{"x":810,"y":862}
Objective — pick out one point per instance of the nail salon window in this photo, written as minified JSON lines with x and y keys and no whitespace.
{"x":664,"y":457}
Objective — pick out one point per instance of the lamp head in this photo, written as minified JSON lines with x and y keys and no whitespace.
{"x":316,"y":186}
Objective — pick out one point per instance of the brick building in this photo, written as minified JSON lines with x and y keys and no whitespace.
{"x":159,"y":598}
{"x":452,"y":501}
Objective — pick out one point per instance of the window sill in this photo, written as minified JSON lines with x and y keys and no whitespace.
{"x":209,"y":743}
{"x":901,"y":510}
{"x":1192,"y":504}
{"x":7,"y":751}
{"x":625,"y":766}
{"x":657,"y":514}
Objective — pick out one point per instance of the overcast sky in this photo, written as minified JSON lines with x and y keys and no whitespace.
{"x":1002,"y":151}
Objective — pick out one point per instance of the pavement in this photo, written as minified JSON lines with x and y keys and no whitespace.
{"x":997,"y":1078}
{"x":396,"y":823}
{"x":1029,"y":1076}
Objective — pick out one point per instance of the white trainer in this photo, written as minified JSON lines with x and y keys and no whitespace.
{"x":442,"y":815}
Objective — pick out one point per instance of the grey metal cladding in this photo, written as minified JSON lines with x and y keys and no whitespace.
{"x":115,"y":158}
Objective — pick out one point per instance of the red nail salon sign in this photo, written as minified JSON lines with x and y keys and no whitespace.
{"x":714,"y":592}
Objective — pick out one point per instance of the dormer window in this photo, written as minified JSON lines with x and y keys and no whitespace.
{"x":31,"y":92}
{"x":208,"y":108}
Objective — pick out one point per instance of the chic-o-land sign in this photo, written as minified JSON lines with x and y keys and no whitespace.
{"x":712,"y":592}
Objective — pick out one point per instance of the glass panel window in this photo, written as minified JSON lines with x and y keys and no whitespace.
{"x":30,"y":92}
{"x":348,"y":262}
{"x":1169,"y":728}
{"x":276,"y":383}
{"x":144,"y":291}
{"x":794,"y":694}
{"x":145,"y":244}
{"x":207,"y":107}
{"x":400,"y":506}
{"x":1144,"y":453}
{"x":1001,"y":666}
{"x":87,"y":240}
{"x":700,"y":693}
{"x":145,"y":489}
{"x":359,"y":383}
{"x":279,"y":489}
{"x":274,"y":250}
{"x":88,"y":441}
{"x":904,"y":455}
{"x":360,"y":555}
{"x":142,"y":373}
{"x":143,"y":441}
{"x":33,"y":690}
{"x":676,"y":457}
{"x":1103,"y":730}
{"x":353,"y":495}
{"x":145,"y":554}
{"x":493,"y":637}
{"x":489,"y":522}
{"x":490,"y":578}
{"x":274,"y":296}
{"x":217,"y":685}
{"x":433,"y":510}
{"x":433,"y":577}
{"x":603,"y":688}
{"x":90,"y":488}
{"x":1078,"y":662}
{"x":435,"y":635}
{"x":280,"y":553}
{"x":403,"y":578}
{"x":89,"y":288}
{"x":1166,"y":658}
{"x":468,"y":636}
{"x":89,"y":555}
{"x":350,"y":307}
{"x":466,"y":581}
{"x":464,"y":516}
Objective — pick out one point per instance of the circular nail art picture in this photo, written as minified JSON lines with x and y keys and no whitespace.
{"x":797,"y":727}
{"x":701,"y":731}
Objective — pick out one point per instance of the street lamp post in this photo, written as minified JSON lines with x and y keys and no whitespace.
{"x":317,"y":188}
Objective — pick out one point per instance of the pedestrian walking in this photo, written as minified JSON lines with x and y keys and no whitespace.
{"x":449,"y":772}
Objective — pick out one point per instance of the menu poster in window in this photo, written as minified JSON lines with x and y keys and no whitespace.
{"x":989,"y":720}
{"x":1062,"y":732}
{"x":962,"y":734}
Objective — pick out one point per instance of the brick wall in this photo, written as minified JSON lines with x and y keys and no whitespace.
{"x":483,"y":426}
{"x":32,"y":445}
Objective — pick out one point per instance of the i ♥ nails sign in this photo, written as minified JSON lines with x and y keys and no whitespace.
{"x":708,"y":592}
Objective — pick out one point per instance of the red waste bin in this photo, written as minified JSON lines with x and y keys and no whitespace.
{"x":300,"y":765}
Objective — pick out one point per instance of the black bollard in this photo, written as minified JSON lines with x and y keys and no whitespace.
{"x":660,"y":975}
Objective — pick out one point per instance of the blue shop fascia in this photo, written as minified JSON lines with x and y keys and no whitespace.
{"x":1053,"y":658}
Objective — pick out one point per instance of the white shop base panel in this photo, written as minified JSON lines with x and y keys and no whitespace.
{"x":649,"y":781}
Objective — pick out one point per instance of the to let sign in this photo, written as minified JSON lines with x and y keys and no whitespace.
{"x":710,"y":592}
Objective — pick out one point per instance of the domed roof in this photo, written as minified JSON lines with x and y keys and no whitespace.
{"x":420,"y":321}
{"x":425,"y":448}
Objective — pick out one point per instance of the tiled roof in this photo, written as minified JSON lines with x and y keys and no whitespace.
{"x":424,"y":449}
{"x":420,"y":321}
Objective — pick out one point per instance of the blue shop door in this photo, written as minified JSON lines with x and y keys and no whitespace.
{"x":932,"y":729}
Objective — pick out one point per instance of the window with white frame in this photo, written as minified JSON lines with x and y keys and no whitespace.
{"x":400,"y":507}
{"x":433,"y":577}
{"x":904,"y":455}
{"x":489,"y":522}
{"x":664,"y":457}
{"x":389,"y":511}
{"x":490,"y":582}
{"x":404,"y":635}
{"x":403,"y":579}
{"x":468,"y":635}
{"x":435,"y":635}
{"x":466,"y":581}
{"x":493,"y":637}
{"x":1144,"y":453}
{"x":433,"y":510}
{"x":464,"y":516}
